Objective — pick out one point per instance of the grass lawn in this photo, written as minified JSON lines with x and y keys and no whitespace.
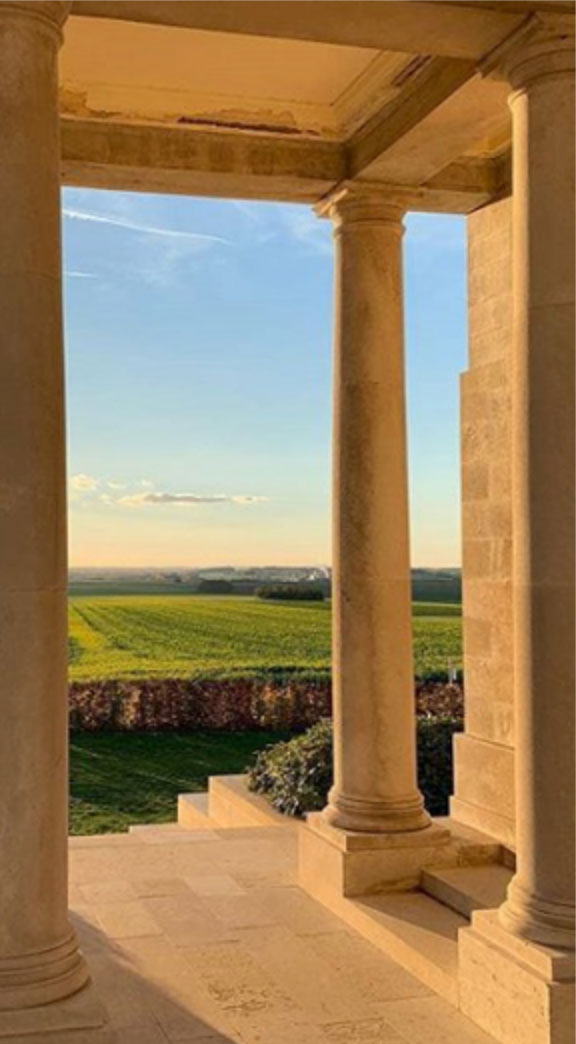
{"x":162,"y":636}
{"x":117,"y":779}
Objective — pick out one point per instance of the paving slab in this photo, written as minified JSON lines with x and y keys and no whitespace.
{"x":209,"y":941}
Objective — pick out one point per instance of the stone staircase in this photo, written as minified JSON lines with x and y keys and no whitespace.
{"x":418,"y":929}
{"x":229,"y":805}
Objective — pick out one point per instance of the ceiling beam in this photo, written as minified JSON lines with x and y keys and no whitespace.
{"x":462,"y":187}
{"x":439,"y":78}
{"x":184,"y":160}
{"x":468,"y":184}
{"x":187,"y":161}
{"x":473,"y":119}
{"x":392,"y":25}
{"x":525,"y":6}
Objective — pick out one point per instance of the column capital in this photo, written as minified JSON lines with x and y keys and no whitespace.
{"x":366,"y":204}
{"x":542,"y":47}
{"x":47,"y":14}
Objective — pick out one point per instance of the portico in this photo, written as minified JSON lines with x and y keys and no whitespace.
{"x":364,"y":110}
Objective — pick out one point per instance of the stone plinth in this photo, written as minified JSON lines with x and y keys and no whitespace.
{"x":335,"y":862}
{"x":518,"y":991}
{"x":76,"y":1020}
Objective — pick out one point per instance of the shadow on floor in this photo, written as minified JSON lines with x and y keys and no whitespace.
{"x":150,"y":993}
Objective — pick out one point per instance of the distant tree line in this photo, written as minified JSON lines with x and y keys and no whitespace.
{"x":290,"y":593}
{"x":436,"y":588}
{"x":428,"y":585}
{"x":224,"y":587}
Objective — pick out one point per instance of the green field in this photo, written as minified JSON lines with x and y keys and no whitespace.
{"x":118,"y":779}
{"x":162,"y":636}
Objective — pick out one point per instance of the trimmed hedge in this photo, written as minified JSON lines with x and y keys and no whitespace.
{"x":292,"y":702}
{"x":281,"y":700}
{"x":296,"y":775}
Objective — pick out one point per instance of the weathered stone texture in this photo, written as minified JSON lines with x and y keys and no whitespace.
{"x":484,"y":756}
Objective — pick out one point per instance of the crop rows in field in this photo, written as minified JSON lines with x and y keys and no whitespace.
{"x":151,"y":636}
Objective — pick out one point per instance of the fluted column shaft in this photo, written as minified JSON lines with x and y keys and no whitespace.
{"x":39,"y":960}
{"x":374,"y":721}
{"x":540,"y":68}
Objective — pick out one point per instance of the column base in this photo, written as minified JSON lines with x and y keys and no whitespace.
{"x":80,"y":1018}
{"x":539,"y":921}
{"x":518,"y":991}
{"x":335,"y":862}
{"x":42,"y":977}
{"x":376,"y":817}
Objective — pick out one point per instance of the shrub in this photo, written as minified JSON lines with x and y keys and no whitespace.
{"x":452,"y":677}
{"x":439,"y":700}
{"x":297,"y":775}
{"x":435,"y":769}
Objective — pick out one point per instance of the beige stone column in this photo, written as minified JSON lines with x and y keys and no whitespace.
{"x":374,"y":720}
{"x":540,"y":68}
{"x":39,"y":959}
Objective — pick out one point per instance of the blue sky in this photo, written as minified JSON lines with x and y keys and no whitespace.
{"x":198,"y":343}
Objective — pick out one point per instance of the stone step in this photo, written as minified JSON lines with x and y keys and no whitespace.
{"x":472,"y":847}
{"x":465,"y":889}
{"x":124,"y":840}
{"x":169,"y":833}
{"x":413,"y":929}
{"x":146,"y":828}
{"x":231,"y":805}
{"x":193,"y":812}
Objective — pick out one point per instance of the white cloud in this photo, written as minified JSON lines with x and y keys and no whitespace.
{"x":82,"y":487}
{"x":186,"y":499}
{"x":71,"y":274}
{"x":84,"y":483}
{"x":134,"y":226}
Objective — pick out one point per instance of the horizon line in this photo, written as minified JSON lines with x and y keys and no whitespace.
{"x":271,"y":565}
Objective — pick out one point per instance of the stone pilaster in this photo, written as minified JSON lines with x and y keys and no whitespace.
{"x":516,"y":965}
{"x":484,"y":753}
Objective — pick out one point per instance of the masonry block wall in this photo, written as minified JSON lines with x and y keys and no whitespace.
{"x":484,"y":753}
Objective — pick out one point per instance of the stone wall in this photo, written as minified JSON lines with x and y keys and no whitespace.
{"x":484,"y":754}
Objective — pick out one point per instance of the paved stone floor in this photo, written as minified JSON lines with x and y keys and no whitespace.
{"x":203,"y":936}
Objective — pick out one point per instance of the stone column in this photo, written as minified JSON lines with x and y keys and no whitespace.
{"x":39,"y":959}
{"x":540,"y":68}
{"x":375,"y":785}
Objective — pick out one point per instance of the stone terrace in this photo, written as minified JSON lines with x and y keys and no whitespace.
{"x":203,"y":936}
